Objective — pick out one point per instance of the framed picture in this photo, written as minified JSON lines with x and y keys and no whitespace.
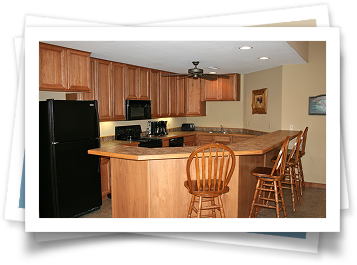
{"x":259,"y":104}
{"x":317,"y":105}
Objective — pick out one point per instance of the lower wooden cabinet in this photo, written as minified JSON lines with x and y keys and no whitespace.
{"x":105,"y":176}
{"x":189,"y":140}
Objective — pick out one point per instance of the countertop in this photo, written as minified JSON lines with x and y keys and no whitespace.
{"x":252,"y":146}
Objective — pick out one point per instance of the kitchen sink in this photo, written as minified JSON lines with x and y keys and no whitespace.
{"x":218,"y":132}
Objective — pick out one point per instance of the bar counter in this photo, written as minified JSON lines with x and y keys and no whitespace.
{"x":148,"y":182}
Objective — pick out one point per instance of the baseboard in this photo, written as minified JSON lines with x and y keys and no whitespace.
{"x":315,"y":185}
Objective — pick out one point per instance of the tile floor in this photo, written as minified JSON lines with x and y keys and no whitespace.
{"x":313,"y":205}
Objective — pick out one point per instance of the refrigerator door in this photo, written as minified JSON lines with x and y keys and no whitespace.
{"x":77,"y":177}
{"x":73,"y":120}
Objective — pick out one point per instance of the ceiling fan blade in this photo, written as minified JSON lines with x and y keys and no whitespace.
{"x":208,"y":77}
{"x":224,"y":76}
{"x":174,"y":75}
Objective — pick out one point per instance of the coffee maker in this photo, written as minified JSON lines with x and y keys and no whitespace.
{"x":158,"y":128}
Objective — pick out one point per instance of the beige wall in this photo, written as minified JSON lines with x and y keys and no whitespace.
{"x":272,"y":80}
{"x":299,"y":83}
{"x":289,"y":89}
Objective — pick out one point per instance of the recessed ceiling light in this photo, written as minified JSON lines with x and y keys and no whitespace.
{"x":213,"y":72}
{"x":213,"y":67}
{"x":245,"y":48}
{"x":263,"y":58}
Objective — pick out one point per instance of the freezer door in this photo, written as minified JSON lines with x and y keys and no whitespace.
{"x":74,"y":120}
{"x":77,"y":177}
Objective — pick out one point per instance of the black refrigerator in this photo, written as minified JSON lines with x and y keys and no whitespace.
{"x":70,"y":183}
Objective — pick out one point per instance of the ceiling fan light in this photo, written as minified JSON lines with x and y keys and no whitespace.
{"x":245,"y":48}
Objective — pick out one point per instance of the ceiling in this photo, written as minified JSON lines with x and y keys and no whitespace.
{"x":177,"y":56}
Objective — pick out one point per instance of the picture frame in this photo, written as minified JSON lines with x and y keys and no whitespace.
{"x":259,"y":98}
{"x":317,"y":105}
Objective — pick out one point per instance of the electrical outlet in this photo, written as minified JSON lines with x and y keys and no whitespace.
{"x":249,"y":123}
{"x":291,"y":127}
{"x":269,"y":125}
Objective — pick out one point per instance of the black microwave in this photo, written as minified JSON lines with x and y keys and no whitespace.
{"x":138,"y":109}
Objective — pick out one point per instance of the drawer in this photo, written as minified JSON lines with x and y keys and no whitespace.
{"x":222,"y":139}
{"x":189,"y":139}
{"x":205,"y":138}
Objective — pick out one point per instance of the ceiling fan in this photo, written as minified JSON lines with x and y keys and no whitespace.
{"x":197,"y":72}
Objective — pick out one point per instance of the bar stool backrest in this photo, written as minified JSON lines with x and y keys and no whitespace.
{"x":213,"y":164}
{"x":303,"y":141}
{"x":279,"y":165}
{"x":294,"y":156}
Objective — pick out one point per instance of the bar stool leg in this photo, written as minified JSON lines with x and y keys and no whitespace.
{"x":221,"y":206}
{"x":213,"y":210}
{"x":302,"y":175}
{"x":254,"y":198}
{"x":282,"y":199}
{"x":191,"y":205}
{"x":277,"y":207}
{"x":296,"y":185}
{"x":292,"y":187}
{"x":199,"y":207}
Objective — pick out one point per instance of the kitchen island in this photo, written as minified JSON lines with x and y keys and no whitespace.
{"x":148,"y":182}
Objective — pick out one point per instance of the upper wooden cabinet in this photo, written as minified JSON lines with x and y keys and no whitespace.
{"x":195,"y":104}
{"x":154,"y":91}
{"x":222,"y":89}
{"x":137,"y":84}
{"x":63,"y":69}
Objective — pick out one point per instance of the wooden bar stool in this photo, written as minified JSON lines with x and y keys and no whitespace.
{"x":289,"y":181}
{"x":300,"y":175}
{"x":268,"y":181}
{"x":213,"y":165}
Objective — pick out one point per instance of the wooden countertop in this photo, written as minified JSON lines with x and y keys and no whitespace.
{"x":254,"y":146}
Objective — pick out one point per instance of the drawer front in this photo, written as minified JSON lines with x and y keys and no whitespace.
{"x":225,"y":139}
{"x":206,"y":138}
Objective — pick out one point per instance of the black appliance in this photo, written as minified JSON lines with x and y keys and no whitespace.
{"x":187,"y":127}
{"x":70,"y":183}
{"x":132,"y":133}
{"x":127,"y":133}
{"x":158,"y":128}
{"x":176,"y":142}
{"x":138,"y":109}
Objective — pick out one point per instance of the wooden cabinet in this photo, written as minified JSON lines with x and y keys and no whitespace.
{"x":105,"y":176}
{"x":203,"y":139}
{"x":195,"y":104}
{"x":137,"y":83}
{"x":154,"y":92}
{"x":164,"y":95}
{"x":223,"y":89}
{"x":118,"y":85}
{"x":103,"y":88}
{"x":165,"y":142}
{"x":189,"y":140}
{"x":63,"y":69}
{"x":177,"y":96}
{"x":222,"y":139}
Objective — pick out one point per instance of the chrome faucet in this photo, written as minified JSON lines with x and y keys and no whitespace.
{"x":222,"y":130}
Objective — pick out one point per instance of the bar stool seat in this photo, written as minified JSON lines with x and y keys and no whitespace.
{"x":212,"y":165}
{"x":269,"y":181}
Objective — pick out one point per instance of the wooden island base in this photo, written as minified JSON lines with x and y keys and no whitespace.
{"x":154,"y":188}
{"x":149,"y":183}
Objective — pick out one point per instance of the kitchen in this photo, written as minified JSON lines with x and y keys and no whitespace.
{"x":287,"y":102}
